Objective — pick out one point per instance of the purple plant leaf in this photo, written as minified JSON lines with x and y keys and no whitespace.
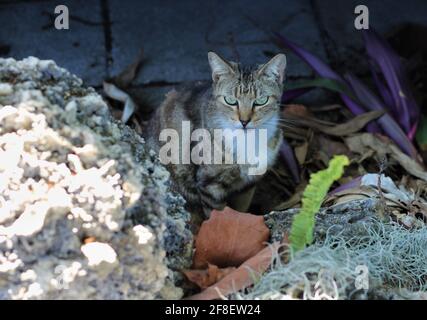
{"x":386,"y":122}
{"x":349,"y":185}
{"x":327,"y":72}
{"x":357,"y":109}
{"x":383,"y":89}
{"x":318,"y":65}
{"x":404,"y":104}
{"x":404,"y":107}
{"x":287,"y":154}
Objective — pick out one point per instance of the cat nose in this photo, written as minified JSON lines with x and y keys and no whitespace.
{"x":244,"y":122}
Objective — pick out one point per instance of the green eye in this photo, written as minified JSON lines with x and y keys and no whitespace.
{"x":230,"y":101}
{"x":261,"y":101}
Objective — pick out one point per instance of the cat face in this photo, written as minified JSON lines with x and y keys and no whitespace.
{"x":246,"y":98}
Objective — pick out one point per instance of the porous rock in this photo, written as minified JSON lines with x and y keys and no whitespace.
{"x":85,"y":209}
{"x":348,"y":219}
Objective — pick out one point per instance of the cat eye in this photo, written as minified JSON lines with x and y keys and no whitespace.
{"x":230,"y":101}
{"x":261,"y":101}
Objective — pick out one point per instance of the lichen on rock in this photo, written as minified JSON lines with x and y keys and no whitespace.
{"x":85,"y":209}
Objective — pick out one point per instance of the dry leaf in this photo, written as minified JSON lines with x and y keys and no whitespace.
{"x":115,"y":93}
{"x":206,"y":278}
{"x":229,"y":238}
{"x":242,"y":277}
{"x":365,"y":142}
{"x":124,"y":79}
{"x":296,"y":110}
{"x":396,"y":199}
{"x":89,"y":240}
{"x":326,"y":108}
{"x":408,"y":163}
{"x":352,"y":126}
{"x":326,"y":148}
{"x":301,"y":152}
{"x":338,"y":130}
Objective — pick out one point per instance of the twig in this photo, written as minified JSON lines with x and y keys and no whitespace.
{"x":382,"y":203}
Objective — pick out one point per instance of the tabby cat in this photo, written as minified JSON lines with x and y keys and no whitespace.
{"x":237,"y":97}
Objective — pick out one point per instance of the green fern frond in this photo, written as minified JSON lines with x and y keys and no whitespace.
{"x":303,"y":223}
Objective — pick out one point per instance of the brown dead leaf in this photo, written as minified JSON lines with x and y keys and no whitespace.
{"x":124,"y":79}
{"x":228,"y":238}
{"x":338,"y":130}
{"x":301,"y":152}
{"x":89,"y":240}
{"x":408,"y":163}
{"x":302,"y":116}
{"x":326,"y":108}
{"x":350,"y":194}
{"x":240,"y":278}
{"x":296,"y":110}
{"x":353,"y":125}
{"x":365,"y":142}
{"x":398,"y":200}
{"x":326,"y":148}
{"x":206,"y":278}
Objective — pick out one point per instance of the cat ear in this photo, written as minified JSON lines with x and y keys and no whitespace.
{"x":275,"y":68}
{"x":219,"y":66}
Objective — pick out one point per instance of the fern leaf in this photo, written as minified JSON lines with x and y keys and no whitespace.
{"x":303,"y":223}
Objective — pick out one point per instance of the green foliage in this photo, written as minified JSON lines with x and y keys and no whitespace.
{"x":422,"y":133}
{"x":303,"y":224}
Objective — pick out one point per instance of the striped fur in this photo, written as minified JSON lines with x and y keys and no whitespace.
{"x":209,"y":186}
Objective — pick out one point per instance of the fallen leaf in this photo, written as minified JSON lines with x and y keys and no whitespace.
{"x":89,"y":240}
{"x":326,"y":108}
{"x":296,"y":110}
{"x":124,"y":78}
{"x":338,"y":130}
{"x":229,"y":238}
{"x":241,"y":278}
{"x":396,"y":199}
{"x":301,"y":152}
{"x":207,"y":277}
{"x":408,"y":163}
{"x":365,"y":142}
{"x":353,"y":125}
{"x":326,"y":148}
{"x":115,"y":93}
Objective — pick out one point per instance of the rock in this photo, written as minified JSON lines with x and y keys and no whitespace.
{"x":85,"y":209}
{"x":357,"y":254}
{"x":348,"y":219}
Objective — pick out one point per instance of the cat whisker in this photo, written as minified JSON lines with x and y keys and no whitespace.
{"x":288,"y":119}
{"x":285,"y":126}
{"x":288,"y":124}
